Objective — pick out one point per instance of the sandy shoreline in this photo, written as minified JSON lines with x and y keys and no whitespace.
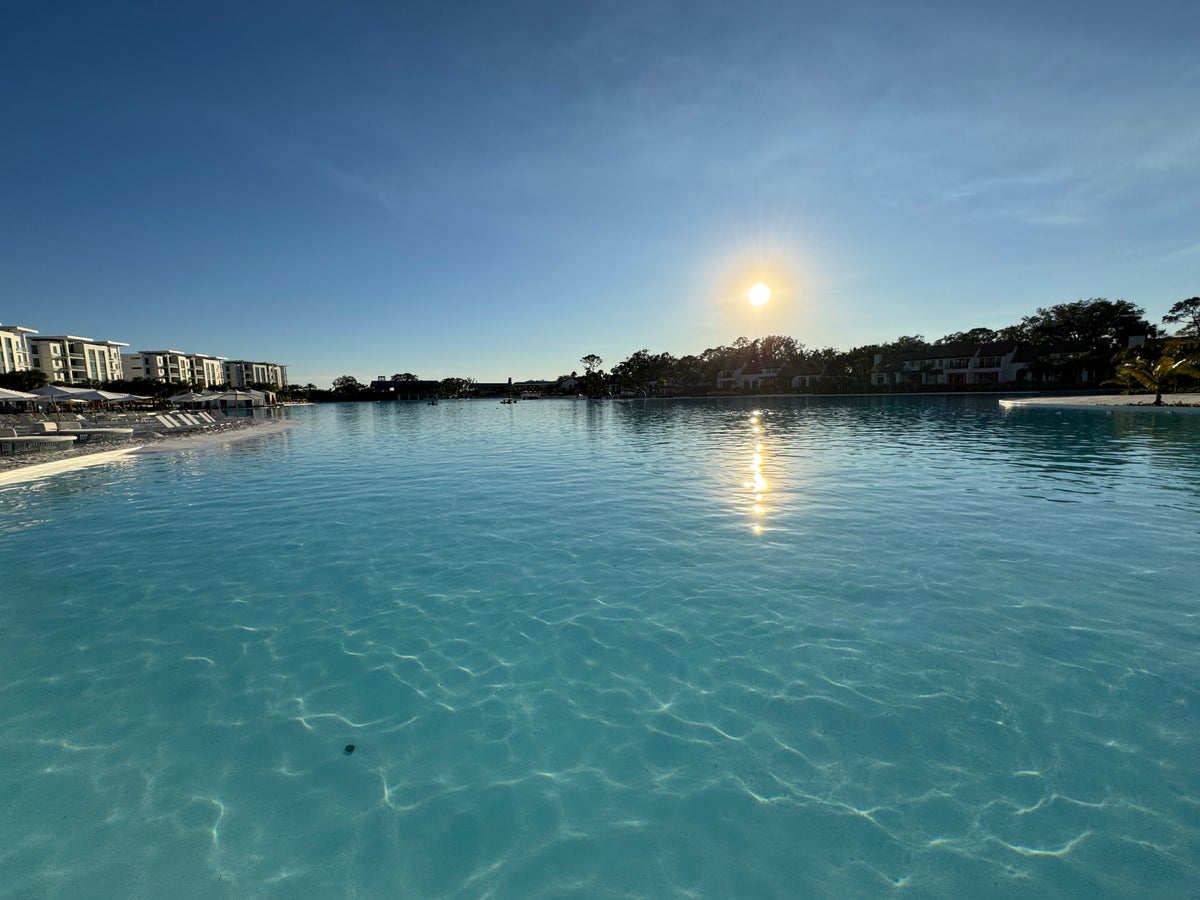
{"x":1185,"y":403}
{"x":31,"y":466}
{"x":17,"y":468}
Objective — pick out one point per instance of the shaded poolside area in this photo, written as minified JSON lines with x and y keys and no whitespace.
{"x":28,"y":466}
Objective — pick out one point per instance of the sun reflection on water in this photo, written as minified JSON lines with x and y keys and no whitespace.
{"x":757,"y":485}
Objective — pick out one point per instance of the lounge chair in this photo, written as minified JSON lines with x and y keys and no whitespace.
{"x":84,"y":433}
{"x":191,"y":421}
{"x":11,"y":442}
{"x":175,"y":423}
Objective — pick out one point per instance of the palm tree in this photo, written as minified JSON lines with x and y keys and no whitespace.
{"x":1155,"y":375}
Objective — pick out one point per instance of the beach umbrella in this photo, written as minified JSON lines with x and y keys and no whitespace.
{"x":58,"y":394}
{"x":6,"y":394}
{"x":108,"y":396}
{"x":240,"y":399}
{"x":191,"y":398}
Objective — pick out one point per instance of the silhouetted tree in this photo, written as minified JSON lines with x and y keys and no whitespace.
{"x":907,"y":343}
{"x":456,"y":387}
{"x":779,"y":349}
{"x":1104,"y":326}
{"x":853,"y":367}
{"x":688,"y":372}
{"x":347,"y":386}
{"x":644,"y":370}
{"x":973,"y":336}
{"x":1187,"y":314}
{"x":593,"y":375}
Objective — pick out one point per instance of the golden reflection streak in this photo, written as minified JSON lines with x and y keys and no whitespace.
{"x":757,"y":484}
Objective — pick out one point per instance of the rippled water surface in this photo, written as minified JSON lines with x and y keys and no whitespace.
{"x":790,"y":648}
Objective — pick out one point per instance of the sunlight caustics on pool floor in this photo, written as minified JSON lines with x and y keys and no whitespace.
{"x":822,"y":647}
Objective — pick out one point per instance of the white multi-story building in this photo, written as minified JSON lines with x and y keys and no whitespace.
{"x":208,"y":371}
{"x":170,"y":366}
{"x":241,"y":373}
{"x":14,"y":348}
{"x":176,"y":367}
{"x":72,"y":359}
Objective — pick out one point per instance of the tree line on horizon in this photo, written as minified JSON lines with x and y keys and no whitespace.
{"x":1095,"y":332}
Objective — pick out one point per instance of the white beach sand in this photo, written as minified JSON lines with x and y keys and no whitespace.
{"x":1186,"y":403}
{"x":28,"y":467}
{"x":32,"y":466}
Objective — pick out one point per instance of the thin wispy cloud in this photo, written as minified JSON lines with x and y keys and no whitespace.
{"x":613,"y":162}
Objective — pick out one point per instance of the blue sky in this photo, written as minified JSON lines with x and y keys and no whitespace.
{"x":497,"y":189}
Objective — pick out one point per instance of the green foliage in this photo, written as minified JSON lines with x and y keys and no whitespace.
{"x":689,"y":372}
{"x":457,"y":387}
{"x":643,"y":371}
{"x":593,"y":375}
{"x":907,"y":343}
{"x":26,"y":381}
{"x":1161,"y":374}
{"x":974,"y":336}
{"x":155,"y":390}
{"x":346,"y":386}
{"x":1103,"y":326}
{"x":1097,"y":328}
{"x":295,"y":392}
{"x":779,"y":349}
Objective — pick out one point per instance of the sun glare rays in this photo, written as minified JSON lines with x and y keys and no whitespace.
{"x":756,"y":286}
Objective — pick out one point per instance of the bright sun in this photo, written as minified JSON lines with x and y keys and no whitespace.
{"x":759,"y":294}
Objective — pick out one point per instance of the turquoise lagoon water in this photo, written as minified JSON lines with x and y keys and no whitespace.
{"x":790,"y":648}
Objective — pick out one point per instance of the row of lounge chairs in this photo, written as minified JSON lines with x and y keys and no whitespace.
{"x":38,"y":432}
{"x":81,"y":432}
{"x":11,"y":441}
{"x":21,"y":433}
{"x":197,"y":420}
{"x":29,"y":421}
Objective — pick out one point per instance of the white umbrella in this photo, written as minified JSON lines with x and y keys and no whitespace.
{"x":6,"y":394}
{"x":108,"y":396}
{"x":57,"y":393}
{"x":190,"y":397}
